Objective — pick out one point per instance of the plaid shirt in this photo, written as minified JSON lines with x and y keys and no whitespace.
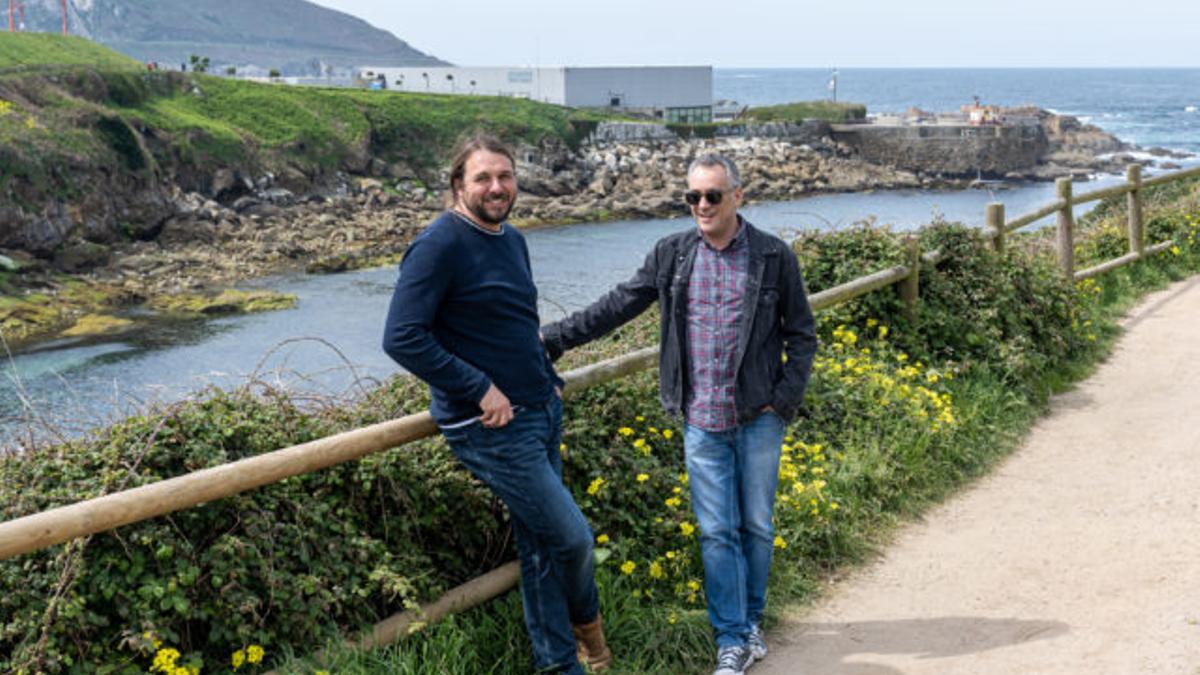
{"x":714,"y":311}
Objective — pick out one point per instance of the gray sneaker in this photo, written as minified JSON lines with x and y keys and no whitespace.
{"x":733,"y":660}
{"x":757,"y":643}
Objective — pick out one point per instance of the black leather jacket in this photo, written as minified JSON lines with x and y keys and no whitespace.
{"x":776,"y":320}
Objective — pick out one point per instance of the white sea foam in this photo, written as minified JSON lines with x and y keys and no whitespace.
{"x":1190,"y":109}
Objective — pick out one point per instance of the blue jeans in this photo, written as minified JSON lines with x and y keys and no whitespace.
{"x":521,"y":464}
{"x":733,"y":475}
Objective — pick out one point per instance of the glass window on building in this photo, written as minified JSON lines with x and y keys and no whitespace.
{"x":694,"y":115}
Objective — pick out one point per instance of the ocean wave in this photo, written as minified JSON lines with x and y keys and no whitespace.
{"x":1190,"y":109}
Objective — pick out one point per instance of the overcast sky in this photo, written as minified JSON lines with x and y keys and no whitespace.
{"x":763,"y":33}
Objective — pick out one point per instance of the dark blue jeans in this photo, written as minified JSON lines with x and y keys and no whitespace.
{"x":522,"y":465}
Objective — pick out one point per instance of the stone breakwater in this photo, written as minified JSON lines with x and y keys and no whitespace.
{"x":248,"y":226}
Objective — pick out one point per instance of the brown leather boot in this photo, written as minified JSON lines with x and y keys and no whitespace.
{"x":590,"y":646}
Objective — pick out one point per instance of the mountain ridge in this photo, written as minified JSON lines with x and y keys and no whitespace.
{"x":295,"y":37}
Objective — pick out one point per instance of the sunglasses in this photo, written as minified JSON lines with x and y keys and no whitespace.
{"x":714,"y":197}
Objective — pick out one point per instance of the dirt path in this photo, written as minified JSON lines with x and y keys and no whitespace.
{"x":1079,"y":554}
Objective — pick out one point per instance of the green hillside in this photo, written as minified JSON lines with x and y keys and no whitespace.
{"x":41,"y":49}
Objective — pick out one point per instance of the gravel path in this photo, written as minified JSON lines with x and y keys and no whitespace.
{"x":1079,"y":554}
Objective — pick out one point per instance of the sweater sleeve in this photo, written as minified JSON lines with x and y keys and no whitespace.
{"x":425,"y":277}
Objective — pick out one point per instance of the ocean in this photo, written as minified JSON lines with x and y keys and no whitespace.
{"x":1146,"y":106}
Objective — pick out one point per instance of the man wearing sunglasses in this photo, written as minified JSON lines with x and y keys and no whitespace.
{"x":732,"y":305}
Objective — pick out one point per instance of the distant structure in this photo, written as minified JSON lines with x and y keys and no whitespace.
{"x":981,"y":115}
{"x":670,"y":93}
{"x":726,"y":110}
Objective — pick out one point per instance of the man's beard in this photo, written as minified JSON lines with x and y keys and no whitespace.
{"x":480,"y":211}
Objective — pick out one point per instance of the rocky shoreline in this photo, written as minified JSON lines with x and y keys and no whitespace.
{"x":250,"y":226}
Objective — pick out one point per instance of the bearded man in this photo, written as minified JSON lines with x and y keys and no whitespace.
{"x":464,"y":319}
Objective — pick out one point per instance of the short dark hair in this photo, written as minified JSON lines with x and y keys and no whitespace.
{"x":469,"y":145}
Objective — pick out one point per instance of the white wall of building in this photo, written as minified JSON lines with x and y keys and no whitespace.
{"x":640,"y":87}
{"x":632,"y":87}
{"x":538,"y":84}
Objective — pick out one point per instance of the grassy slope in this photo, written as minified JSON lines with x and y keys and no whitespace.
{"x":44,"y":49}
{"x":209,"y":121}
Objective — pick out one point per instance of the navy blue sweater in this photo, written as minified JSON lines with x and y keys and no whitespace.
{"x":464,"y":315}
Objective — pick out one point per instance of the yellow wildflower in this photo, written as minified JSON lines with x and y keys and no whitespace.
{"x":693,"y":585}
{"x":673,"y":502}
{"x":687,"y":528}
{"x":254,"y":654}
{"x":625,"y":431}
{"x":602,"y":539}
{"x":238,"y":659}
{"x":667,"y":434}
{"x":628,"y":567}
{"x":779,"y":542}
{"x":164,"y":660}
{"x":643,"y":477}
{"x":656,"y":571}
{"x":595,"y":485}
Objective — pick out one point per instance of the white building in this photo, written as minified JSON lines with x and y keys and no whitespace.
{"x":672,"y":93}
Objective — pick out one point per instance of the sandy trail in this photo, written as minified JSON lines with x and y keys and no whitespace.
{"x":1079,"y":554}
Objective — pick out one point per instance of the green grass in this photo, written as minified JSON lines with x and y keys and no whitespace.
{"x":45,"y":49}
{"x":808,"y":110}
{"x":325,"y":124}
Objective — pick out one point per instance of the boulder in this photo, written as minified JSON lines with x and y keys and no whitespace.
{"x":82,"y":256}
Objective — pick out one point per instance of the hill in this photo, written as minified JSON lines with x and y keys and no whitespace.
{"x":65,"y":126}
{"x":294,"y":36}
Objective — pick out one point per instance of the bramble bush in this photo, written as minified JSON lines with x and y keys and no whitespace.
{"x":900,"y":409}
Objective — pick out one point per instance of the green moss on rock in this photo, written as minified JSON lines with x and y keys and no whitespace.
{"x":229,"y":301}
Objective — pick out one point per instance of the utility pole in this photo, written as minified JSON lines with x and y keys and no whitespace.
{"x":64,"y":15}
{"x":833,"y":77}
{"x":12,"y":26}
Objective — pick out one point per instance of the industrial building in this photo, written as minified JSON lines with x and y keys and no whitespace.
{"x":670,"y":93}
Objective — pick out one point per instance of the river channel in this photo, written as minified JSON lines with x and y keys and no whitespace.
{"x":329,"y":343}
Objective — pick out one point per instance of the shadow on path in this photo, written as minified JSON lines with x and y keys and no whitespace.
{"x":847,"y":648}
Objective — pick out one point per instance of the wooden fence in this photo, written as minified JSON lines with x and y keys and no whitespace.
{"x":92,"y":516}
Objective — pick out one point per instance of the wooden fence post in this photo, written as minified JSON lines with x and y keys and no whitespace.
{"x":1137,"y":238}
{"x":993,"y":218}
{"x":1066,"y":228}
{"x":910,"y":286}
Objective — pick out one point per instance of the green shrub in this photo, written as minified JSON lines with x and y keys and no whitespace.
{"x":808,"y":110}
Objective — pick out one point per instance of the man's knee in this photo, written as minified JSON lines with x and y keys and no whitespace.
{"x":577,"y":543}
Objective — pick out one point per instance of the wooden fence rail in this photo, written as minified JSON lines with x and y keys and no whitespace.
{"x":1063,"y":209}
{"x":92,"y":516}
